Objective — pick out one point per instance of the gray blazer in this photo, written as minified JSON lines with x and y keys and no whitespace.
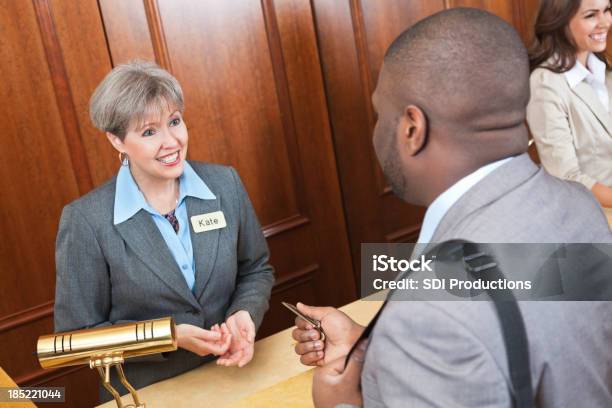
{"x":571,"y":128}
{"x":452,"y":354}
{"x":109,"y":273}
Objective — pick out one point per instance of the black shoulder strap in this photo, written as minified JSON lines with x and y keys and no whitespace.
{"x":483,"y":266}
{"x":475,"y":261}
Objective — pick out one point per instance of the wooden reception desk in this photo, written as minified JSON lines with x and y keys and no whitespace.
{"x":215,"y":386}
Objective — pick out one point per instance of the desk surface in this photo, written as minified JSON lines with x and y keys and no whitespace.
{"x":7,"y":381}
{"x":217,"y":386}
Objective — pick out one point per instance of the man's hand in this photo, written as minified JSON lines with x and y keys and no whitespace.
{"x":334,"y":384}
{"x":241,"y":349}
{"x":202,"y":342}
{"x":340,"y":330}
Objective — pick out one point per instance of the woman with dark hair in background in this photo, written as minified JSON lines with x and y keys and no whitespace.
{"x":571,"y":84}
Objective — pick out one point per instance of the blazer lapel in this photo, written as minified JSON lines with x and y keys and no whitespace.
{"x":141,"y":234}
{"x":205,"y":244}
{"x":493,"y":186}
{"x":586,"y":93}
{"x":609,"y":87}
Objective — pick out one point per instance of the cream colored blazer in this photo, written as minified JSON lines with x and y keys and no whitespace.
{"x":571,"y":128}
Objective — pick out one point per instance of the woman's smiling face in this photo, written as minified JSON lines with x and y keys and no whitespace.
{"x":156,"y":147}
{"x":589,"y":27}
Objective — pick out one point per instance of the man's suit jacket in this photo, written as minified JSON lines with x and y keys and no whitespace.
{"x":571,"y":128}
{"x":451,"y":354}
{"x":109,"y":273}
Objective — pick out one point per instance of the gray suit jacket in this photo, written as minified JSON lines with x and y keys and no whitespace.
{"x":452,"y":354}
{"x":109,"y":273}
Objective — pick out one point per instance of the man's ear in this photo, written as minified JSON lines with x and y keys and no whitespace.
{"x":116,"y":142}
{"x":412,"y":130}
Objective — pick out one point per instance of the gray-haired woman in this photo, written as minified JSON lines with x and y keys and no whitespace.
{"x":164,"y":237}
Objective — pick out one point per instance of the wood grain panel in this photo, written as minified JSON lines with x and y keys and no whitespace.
{"x":220,"y":54}
{"x":293,"y":250}
{"x":87,"y":60}
{"x":287,"y":224}
{"x":384,"y":20}
{"x":26,"y":316}
{"x":321,"y":187}
{"x":348,"y":83}
{"x":81,"y":384}
{"x":529,"y":10}
{"x":353,"y":36}
{"x":299,"y":286}
{"x":283,"y":93}
{"x":36,"y":170}
{"x":295,"y":278}
{"x":127,"y":30}
{"x":18,"y":354}
{"x":158,"y":37}
{"x":63,"y":92}
{"x":519,"y":13}
{"x":503,"y":8}
{"x":397,"y":217}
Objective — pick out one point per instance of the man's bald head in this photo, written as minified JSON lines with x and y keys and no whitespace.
{"x":462,"y":66}
{"x":451,"y":97}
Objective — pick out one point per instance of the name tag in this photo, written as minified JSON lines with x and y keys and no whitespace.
{"x":208,"y":222}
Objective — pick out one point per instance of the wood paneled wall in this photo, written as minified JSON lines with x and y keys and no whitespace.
{"x":279,"y":89}
{"x":353,"y":37}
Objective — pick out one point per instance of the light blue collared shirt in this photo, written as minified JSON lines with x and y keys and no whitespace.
{"x":445,"y":201}
{"x":129,"y":200}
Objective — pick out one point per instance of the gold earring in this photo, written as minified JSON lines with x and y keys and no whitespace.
{"x":124,"y":159}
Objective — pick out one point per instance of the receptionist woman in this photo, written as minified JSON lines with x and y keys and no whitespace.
{"x":135,"y":249}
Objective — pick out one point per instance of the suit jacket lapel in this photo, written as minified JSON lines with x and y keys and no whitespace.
{"x":205,"y":244}
{"x":141,"y":234}
{"x":609,"y":87}
{"x":493,"y":186}
{"x":586,"y":93}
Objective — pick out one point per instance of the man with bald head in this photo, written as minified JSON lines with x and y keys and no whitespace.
{"x":451,"y":101}
{"x":457,"y":95}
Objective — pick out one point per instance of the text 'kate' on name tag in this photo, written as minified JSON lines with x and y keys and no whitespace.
{"x":208,"y":222}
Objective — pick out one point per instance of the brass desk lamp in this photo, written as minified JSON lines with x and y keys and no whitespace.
{"x":108,"y":346}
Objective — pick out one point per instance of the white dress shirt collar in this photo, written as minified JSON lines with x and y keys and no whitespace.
{"x":595,"y":76}
{"x":579,"y":72}
{"x":445,"y":201}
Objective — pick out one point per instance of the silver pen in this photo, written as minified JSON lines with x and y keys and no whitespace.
{"x":315,"y":323}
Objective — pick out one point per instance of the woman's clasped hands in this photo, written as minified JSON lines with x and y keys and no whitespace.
{"x":242,"y":345}
{"x":233,"y":341}
{"x":203,"y":342}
